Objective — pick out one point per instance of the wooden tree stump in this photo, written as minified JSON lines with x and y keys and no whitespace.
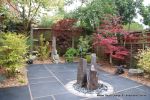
{"x":82,"y":73}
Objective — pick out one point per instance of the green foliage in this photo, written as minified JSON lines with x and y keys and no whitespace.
{"x":145,"y":12}
{"x":28,"y":11}
{"x":127,"y":9}
{"x":70,"y":53}
{"x":90,"y":15}
{"x":134,"y":26}
{"x":12,"y":51}
{"x":8,"y":20}
{"x":43,"y":48}
{"x":144,"y":59}
{"x":84,"y":45}
{"x":48,"y":21}
{"x":88,"y":58}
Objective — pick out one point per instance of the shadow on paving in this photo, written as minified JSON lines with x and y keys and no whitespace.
{"x":47,"y":82}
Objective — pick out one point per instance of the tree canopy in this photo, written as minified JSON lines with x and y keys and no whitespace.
{"x":89,"y":16}
{"x":127,"y":9}
{"x":29,"y":10}
{"x":145,"y":12}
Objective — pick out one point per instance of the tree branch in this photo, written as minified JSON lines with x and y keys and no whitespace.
{"x":9,"y":3}
{"x":35,"y":12}
{"x":29,"y":9}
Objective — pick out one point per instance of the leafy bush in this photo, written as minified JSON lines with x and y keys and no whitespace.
{"x":88,"y":58}
{"x":70,"y":53}
{"x":43,"y":48}
{"x":84,"y":45}
{"x":144,"y":59}
{"x":12,"y":51}
{"x":46,"y":21}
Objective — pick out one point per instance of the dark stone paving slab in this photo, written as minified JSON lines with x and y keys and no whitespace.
{"x":119,"y":83}
{"x":15,"y":93}
{"x":38,"y":74}
{"x":35,"y":67}
{"x":67,"y":96}
{"x":42,"y":80}
{"x":66,"y":76}
{"x":133,"y":94}
{"x":47,"y":82}
{"x":45,"y":98}
{"x":104,"y":98}
{"x":45,"y":89}
{"x":62,"y":67}
{"x":145,"y":89}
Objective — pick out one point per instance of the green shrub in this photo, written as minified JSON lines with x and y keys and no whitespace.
{"x":46,"y":21}
{"x":84,"y":45}
{"x":144,"y":60}
{"x":88,"y":58}
{"x":43,"y":48}
{"x":70,"y":53}
{"x":12,"y":51}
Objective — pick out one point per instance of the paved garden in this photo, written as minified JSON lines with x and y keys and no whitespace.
{"x":46,"y":82}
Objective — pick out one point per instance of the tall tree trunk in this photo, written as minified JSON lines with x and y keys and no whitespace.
{"x":131,"y":49}
{"x":129,"y":26}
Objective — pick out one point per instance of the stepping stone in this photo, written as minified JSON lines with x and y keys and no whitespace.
{"x":135,"y":72}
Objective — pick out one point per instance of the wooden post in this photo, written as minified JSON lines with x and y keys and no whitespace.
{"x":81,"y":73}
{"x":31,"y":40}
{"x":73,"y":41}
{"x":53,"y":45}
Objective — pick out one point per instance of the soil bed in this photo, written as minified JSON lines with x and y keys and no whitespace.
{"x":19,"y":80}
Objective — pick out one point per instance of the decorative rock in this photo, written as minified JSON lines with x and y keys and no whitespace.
{"x":119,"y":70}
{"x":93,"y":58}
{"x":102,"y":89}
{"x":30,"y":61}
{"x":55,"y":57}
{"x":92,"y":79}
{"x":133,"y":72}
{"x":92,"y":74}
{"x":81,"y":73}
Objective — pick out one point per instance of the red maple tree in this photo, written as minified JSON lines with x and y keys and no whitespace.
{"x":110,"y":34}
{"x":64,"y":30}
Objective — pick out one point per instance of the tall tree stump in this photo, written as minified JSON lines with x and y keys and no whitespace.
{"x":82,"y":73}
